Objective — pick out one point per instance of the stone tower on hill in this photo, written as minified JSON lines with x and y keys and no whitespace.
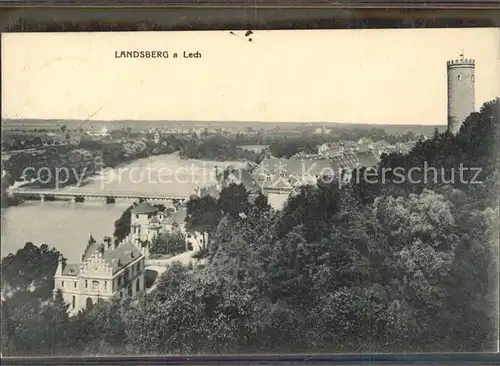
{"x":461,"y":96}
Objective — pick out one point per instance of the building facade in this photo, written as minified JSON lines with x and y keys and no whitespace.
{"x":277,"y":192}
{"x":461,"y":92}
{"x":141,"y":223}
{"x":244,"y":177}
{"x":147,"y":222}
{"x":106,"y":271}
{"x":331,"y":149}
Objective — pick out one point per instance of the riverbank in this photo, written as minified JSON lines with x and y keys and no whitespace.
{"x":67,"y":226}
{"x":9,"y":182}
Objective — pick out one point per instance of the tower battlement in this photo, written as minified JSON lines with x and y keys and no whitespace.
{"x":461,"y":62}
{"x":461,"y":98}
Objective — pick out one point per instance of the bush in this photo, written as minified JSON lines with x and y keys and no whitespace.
{"x":122,"y":225}
{"x":168,"y":243}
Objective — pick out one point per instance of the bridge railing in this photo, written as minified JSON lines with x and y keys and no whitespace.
{"x":131,"y":194}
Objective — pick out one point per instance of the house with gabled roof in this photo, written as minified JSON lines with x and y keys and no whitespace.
{"x":175,"y":221}
{"x":244,"y":177}
{"x":140,"y":221}
{"x":148,"y":221}
{"x":277,"y":178}
{"x":331,"y":149}
{"x":349,"y":146}
{"x":301,"y":171}
{"x":380,"y":144}
{"x":353,"y":160}
{"x":365,"y":144}
{"x":367,"y":159}
{"x":107,"y":270}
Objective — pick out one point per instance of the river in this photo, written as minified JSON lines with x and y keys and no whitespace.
{"x":67,"y":225}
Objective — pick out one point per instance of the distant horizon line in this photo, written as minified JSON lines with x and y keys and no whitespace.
{"x":214,"y":121}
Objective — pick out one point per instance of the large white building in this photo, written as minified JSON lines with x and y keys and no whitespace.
{"x":107,"y":270}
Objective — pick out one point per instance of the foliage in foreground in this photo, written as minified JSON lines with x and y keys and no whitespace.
{"x":381,"y":268}
{"x":166,"y":243}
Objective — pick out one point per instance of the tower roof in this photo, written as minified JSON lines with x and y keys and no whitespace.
{"x":461,"y":61}
{"x":144,"y":208}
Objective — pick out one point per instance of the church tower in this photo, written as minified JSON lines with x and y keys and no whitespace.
{"x":461,"y":96}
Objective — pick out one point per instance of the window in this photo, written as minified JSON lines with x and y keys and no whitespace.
{"x":95,"y":285}
{"x":73,"y":302}
{"x":268,"y":178}
{"x":105,"y":285}
{"x":86,"y":284}
{"x":459,"y":77}
{"x":136,"y":216}
{"x":138,"y":286}
{"x":75,"y":285}
{"x":62,"y":283}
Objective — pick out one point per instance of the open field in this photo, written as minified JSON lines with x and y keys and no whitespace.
{"x":55,"y":124}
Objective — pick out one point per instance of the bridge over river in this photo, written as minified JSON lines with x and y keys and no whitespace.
{"x":80,"y":195}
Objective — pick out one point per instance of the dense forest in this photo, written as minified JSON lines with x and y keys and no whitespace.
{"x":379,"y":266}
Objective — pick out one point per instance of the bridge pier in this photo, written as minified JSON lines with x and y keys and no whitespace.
{"x":42,"y":198}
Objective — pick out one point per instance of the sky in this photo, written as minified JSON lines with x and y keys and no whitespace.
{"x":352,"y":76}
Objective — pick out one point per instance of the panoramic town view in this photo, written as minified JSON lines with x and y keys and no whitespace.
{"x":127,"y":232}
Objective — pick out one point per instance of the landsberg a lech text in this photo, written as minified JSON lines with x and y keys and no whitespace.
{"x":156,"y":54}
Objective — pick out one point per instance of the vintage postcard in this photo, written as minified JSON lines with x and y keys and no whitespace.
{"x":217,"y":192}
